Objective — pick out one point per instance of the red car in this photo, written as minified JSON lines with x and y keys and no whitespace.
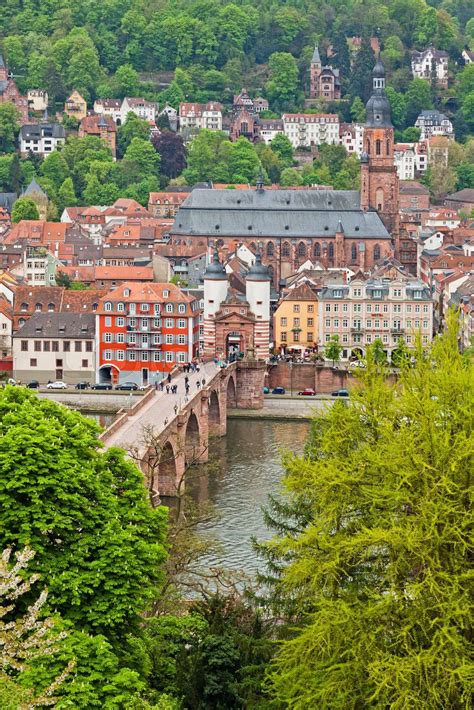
{"x":308,"y":392}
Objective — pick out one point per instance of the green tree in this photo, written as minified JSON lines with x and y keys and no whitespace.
{"x":332,"y":156}
{"x":378,"y":352}
{"x":290,"y":177}
{"x":418,"y":97}
{"x":24,"y":208}
{"x":98,"y":543}
{"x":465,"y":176}
{"x":55,"y":168}
{"x":282,"y":85}
{"x":361,"y":77}
{"x":358,"y":113}
{"x":379,"y":574}
{"x":281,"y":146}
{"x":172,"y":151}
{"x":126,"y":81}
{"x":9,"y":125}
{"x":66,"y":195}
{"x":411,"y":135}
{"x":398,"y":106}
{"x":142,"y":154}
{"x":244,"y":163}
{"x":333,"y":349}
{"x":133,"y":127}
{"x":400,"y":353}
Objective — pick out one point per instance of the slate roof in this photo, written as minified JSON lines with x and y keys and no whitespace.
{"x":58,"y":325}
{"x":37,"y":130}
{"x":275,"y":213}
{"x":7,"y":199}
{"x":465,"y":195}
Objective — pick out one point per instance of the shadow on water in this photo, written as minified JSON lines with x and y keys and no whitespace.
{"x":245,"y":467}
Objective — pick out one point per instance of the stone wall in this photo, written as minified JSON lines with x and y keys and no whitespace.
{"x":250,"y":383}
{"x":299,"y":376}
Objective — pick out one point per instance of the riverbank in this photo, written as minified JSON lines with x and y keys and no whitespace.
{"x":284,"y":409}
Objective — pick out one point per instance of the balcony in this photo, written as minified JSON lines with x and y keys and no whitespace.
{"x":398,"y":331}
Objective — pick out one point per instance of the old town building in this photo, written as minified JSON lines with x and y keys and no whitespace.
{"x":325,"y":81}
{"x":76,"y":106}
{"x":55,"y":346}
{"x":101,"y":126}
{"x":193,"y":115}
{"x":431,"y":64}
{"x":144,"y":330}
{"x":311,"y":129}
{"x":433,"y":124}
{"x":9,"y":92}
{"x":370,"y":308}
{"x":41,"y":138}
{"x":295,"y":322}
{"x":236,"y":324}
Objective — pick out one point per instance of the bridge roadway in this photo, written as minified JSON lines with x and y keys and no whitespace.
{"x":158,"y":411}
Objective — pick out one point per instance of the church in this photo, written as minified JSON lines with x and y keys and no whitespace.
{"x":338,"y":228}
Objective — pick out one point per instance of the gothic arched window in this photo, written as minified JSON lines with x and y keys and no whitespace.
{"x":285,"y":250}
{"x":270,"y":249}
{"x":376,"y":252}
{"x":331,"y":251}
{"x":388,"y":147}
{"x":378,"y":147}
{"x":301,"y":249}
{"x":379,"y":199}
{"x":354,"y":252}
{"x":368,"y":147}
{"x":317,"y":250}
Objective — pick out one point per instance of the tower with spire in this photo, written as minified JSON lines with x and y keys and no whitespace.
{"x":379,"y":179}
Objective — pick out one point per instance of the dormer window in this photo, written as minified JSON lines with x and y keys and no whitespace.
{"x":126,"y":292}
{"x":38,"y":307}
{"x":50,"y":307}
{"x":24,"y":307}
{"x":166,"y":293}
{"x":121,"y":307}
{"x":107,"y":306}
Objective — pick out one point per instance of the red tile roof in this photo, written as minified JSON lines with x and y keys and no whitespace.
{"x":123,"y":273}
{"x":147,"y":293}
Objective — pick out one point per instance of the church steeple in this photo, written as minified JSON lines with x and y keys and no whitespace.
{"x":379,"y":179}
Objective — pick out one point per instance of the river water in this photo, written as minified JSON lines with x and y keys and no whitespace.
{"x":246,"y":467}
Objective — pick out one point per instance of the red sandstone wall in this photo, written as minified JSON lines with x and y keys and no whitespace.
{"x":303,"y":375}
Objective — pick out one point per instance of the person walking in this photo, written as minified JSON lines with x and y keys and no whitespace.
{"x":186,"y":387}
{"x":169,"y":377}
{"x":167,"y":389}
{"x":203,"y":381}
{"x":175,"y":409}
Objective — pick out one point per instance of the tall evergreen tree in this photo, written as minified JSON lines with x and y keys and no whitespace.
{"x":378,"y":572}
{"x":361,"y":77}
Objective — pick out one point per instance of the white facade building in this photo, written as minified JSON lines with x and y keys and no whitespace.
{"x":41,"y":138}
{"x":109,"y":107}
{"x":140,"y":107}
{"x":363,"y":310}
{"x":37,"y":100}
{"x":432,"y":124}
{"x":352,"y":138}
{"x":193,"y":115}
{"x":269,"y":128}
{"x":311,"y":129}
{"x":430,"y":62}
{"x":405,"y":161}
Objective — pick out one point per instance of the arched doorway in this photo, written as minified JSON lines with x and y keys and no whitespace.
{"x":192,"y":440}
{"x":166,"y":473}
{"x":108,"y":375}
{"x":357,"y":354}
{"x":231,"y":394}
{"x":214,"y":414}
{"x":233,"y":345}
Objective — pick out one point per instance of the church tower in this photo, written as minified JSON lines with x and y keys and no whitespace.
{"x":379,"y":179}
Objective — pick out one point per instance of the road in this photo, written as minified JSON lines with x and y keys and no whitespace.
{"x":160,"y":409}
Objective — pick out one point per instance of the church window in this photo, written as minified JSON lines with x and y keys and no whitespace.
{"x":331,"y":251}
{"x":378,"y":147}
{"x":244,"y":127}
{"x":285,"y":250}
{"x":376,"y":252}
{"x":301,"y":249}
{"x":368,"y":147}
{"x":353,"y":252}
{"x":317,"y":250}
{"x":270,"y":249}
{"x":379,"y":199}
{"x":388,"y":147}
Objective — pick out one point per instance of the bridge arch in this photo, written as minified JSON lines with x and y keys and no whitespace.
{"x":166,"y":473}
{"x":192,"y":439}
{"x":214,"y":414}
{"x":231,"y":393}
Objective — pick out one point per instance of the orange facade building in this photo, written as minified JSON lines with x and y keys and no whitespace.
{"x":144,"y":330}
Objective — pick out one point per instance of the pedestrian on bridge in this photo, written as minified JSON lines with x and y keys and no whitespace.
{"x":203,"y":381}
{"x":169,"y":377}
{"x":167,"y":389}
{"x":198,"y":383}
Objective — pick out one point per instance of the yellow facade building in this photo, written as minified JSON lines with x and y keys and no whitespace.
{"x":76,"y":106}
{"x":295,"y":324}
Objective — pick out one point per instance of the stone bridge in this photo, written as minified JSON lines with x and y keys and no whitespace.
{"x":167,"y":433}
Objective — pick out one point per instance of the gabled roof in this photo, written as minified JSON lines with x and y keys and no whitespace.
{"x":58,"y":325}
{"x":303,"y":292}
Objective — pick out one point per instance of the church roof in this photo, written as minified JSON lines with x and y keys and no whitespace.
{"x":33,"y":188}
{"x":291,"y":214}
{"x":316,"y":58}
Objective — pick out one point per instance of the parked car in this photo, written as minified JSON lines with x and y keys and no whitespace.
{"x":101,"y":386}
{"x":129,"y":386}
{"x":57,"y":385}
{"x":278,"y":390}
{"x":82,"y":385}
{"x":33,"y":384}
{"x":308,"y":392}
{"x":340,"y":393}
{"x":356,"y":364}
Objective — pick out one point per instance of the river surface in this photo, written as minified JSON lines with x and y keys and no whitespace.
{"x":245,"y":467}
